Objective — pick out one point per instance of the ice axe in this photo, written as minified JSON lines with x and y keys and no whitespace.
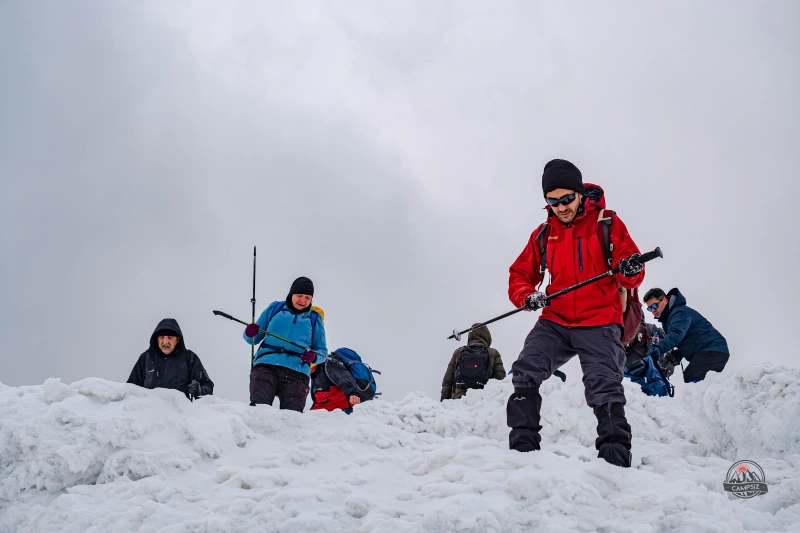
{"x":644,"y":258}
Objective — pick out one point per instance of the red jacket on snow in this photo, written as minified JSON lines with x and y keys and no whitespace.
{"x":575,"y":254}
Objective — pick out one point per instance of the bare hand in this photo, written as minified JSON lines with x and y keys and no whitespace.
{"x":355,"y":400}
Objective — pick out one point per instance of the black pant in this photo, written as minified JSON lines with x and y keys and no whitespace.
{"x":702,"y":363}
{"x":549,"y":346}
{"x":268,"y":381}
{"x":599,"y":349}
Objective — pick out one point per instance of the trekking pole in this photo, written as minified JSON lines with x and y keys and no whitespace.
{"x":253,"y":301}
{"x":265,"y":332}
{"x":644,"y":258}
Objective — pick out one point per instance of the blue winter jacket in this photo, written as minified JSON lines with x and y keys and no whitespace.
{"x":292,"y":326}
{"x":688,"y":330}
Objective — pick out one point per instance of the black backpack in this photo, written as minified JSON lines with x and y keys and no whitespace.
{"x":473,"y":367}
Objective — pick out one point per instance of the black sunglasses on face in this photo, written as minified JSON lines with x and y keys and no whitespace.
{"x":564,"y":200}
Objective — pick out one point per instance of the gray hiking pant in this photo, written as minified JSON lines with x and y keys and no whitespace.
{"x":602,"y":357}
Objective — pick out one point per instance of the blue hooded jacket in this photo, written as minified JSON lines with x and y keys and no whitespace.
{"x":293,"y":326}
{"x":688,"y":330}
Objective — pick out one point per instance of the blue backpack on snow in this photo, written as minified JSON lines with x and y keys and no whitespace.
{"x":646,"y":373}
{"x":358,"y":369}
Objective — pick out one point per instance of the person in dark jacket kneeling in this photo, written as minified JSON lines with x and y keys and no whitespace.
{"x":167,"y":364}
{"x":695,"y":338}
{"x":334,"y":387}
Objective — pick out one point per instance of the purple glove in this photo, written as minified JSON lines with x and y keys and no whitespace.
{"x":251,"y":330}
{"x":308,"y":358}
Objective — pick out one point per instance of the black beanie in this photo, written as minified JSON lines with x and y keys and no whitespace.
{"x":561,"y":174}
{"x":302,"y":285}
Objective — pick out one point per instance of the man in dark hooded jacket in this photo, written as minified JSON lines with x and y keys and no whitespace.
{"x":167,"y":364}
{"x":695,"y":338}
{"x":479,"y":340}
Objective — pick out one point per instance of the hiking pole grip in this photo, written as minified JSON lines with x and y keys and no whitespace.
{"x":644,"y":258}
{"x":649,"y":256}
{"x":229,"y":317}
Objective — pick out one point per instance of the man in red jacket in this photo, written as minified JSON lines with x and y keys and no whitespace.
{"x":586,"y":322}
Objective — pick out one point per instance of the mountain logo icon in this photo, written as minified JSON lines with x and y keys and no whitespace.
{"x":745,"y":480}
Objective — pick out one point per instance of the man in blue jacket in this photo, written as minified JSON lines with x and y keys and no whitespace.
{"x":687,"y":330}
{"x":279,"y":368}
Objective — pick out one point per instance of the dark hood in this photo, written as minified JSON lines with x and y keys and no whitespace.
{"x":593,"y":200}
{"x":171,"y":325}
{"x":480,"y":336}
{"x":674,"y":299}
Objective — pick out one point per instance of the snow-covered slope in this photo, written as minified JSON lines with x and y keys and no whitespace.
{"x":99,"y":456}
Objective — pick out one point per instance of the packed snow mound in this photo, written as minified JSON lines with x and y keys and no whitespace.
{"x":103,"y":456}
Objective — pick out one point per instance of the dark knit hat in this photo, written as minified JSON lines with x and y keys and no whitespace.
{"x":302,"y":285}
{"x":561,"y":174}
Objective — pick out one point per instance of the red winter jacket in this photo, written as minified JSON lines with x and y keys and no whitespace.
{"x":574,"y":254}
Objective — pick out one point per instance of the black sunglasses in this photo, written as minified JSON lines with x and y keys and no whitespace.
{"x":564,"y":200}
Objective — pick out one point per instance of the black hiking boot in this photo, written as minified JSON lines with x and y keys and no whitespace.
{"x":613,"y":434}
{"x":523,"y":418}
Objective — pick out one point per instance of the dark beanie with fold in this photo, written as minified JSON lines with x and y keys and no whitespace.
{"x":561,"y":174}
{"x":302,"y":285}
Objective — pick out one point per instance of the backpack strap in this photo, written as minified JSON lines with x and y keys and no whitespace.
{"x":277,"y":309}
{"x":604,"y":221}
{"x":541,"y":239}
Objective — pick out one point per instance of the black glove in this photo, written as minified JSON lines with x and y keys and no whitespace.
{"x":194,"y":389}
{"x":669,"y":359}
{"x":630,"y":266}
{"x":536,"y":300}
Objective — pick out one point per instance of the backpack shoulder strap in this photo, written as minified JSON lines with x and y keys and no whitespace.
{"x":277,"y":309}
{"x":604,"y":221}
{"x":541,"y":239}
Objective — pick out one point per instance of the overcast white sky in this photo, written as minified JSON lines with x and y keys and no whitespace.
{"x":391,"y":151}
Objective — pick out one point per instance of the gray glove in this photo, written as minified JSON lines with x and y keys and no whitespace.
{"x":536,"y":301}
{"x":194,"y":389}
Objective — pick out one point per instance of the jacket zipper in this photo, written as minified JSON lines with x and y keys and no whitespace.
{"x":580,"y":255}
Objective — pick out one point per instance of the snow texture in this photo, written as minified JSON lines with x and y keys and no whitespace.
{"x":98,"y":456}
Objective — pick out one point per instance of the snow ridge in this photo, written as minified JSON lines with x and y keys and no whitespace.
{"x":101,"y":456}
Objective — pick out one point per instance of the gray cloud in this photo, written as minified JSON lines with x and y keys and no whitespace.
{"x":391,"y":152}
